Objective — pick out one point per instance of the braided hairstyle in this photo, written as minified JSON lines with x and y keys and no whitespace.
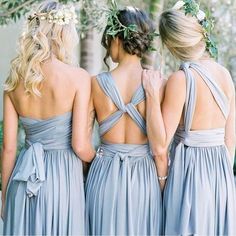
{"x":139,"y":41}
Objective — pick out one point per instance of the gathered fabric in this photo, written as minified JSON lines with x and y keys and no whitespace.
{"x":123,"y":196}
{"x":45,"y":194}
{"x":200,"y":197}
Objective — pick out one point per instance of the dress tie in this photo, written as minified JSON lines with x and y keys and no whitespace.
{"x":32,"y":170}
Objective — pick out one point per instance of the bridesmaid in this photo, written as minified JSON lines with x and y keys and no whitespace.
{"x":123,"y":196}
{"x":42,"y":190}
{"x":199,"y":112}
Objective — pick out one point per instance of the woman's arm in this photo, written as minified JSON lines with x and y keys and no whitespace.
{"x":81,"y":137}
{"x":153,"y":83}
{"x":230,"y":138}
{"x":10,"y":126}
{"x":91,"y":119}
{"x":162,"y":121}
{"x":154,"y":87}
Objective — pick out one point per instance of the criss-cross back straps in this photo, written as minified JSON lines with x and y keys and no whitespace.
{"x":107,"y":84}
{"x":216,"y":91}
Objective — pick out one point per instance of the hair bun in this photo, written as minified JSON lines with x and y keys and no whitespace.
{"x":137,"y":44}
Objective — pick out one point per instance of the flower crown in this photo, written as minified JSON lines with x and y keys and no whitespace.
{"x":63,"y":16}
{"x":114,"y":26}
{"x":192,"y":8}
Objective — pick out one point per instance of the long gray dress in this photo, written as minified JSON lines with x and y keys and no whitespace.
{"x":200,"y":197}
{"x":122,"y":191}
{"x":45,"y":195}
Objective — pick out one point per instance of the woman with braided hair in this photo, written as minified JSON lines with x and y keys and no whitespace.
{"x":123,"y":195}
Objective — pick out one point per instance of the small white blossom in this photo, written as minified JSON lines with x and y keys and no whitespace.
{"x":201,"y":15}
{"x":61,"y":17}
{"x":178,"y":5}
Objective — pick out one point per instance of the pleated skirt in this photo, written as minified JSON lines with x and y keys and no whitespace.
{"x":199,"y":197}
{"x":123,"y":196}
{"x":59,"y":205}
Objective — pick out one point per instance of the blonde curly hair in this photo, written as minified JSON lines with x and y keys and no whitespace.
{"x":40,"y":40}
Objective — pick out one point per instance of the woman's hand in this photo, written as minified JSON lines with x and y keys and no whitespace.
{"x":152,"y":83}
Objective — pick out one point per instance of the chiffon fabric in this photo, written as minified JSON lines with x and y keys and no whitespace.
{"x":123,"y":196}
{"x":45,"y":194}
{"x":200,"y":197}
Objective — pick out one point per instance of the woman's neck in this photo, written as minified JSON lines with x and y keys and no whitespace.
{"x":130,"y":62}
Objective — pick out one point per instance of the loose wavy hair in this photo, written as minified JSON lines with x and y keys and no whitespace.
{"x":40,"y":40}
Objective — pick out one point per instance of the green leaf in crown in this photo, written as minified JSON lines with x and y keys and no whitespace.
{"x":115,"y":26}
{"x":192,"y":8}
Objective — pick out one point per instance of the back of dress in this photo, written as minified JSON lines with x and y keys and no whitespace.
{"x":123,"y":196}
{"x":200,"y":178}
{"x":45,"y":193}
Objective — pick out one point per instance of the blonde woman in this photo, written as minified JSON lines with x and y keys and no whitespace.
{"x":199,"y":112}
{"x":42,"y":190}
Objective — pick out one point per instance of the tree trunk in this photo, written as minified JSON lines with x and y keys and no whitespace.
{"x":156,"y":6}
{"x":87,"y":61}
{"x":86,"y":51}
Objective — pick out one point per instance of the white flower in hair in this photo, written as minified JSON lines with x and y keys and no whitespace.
{"x":62,"y":16}
{"x":178,"y":5}
{"x":201,"y":15}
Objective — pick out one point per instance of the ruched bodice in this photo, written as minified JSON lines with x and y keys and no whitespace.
{"x":52,"y":133}
{"x":48,"y":134}
{"x":46,"y":186}
{"x":200,"y":138}
{"x":108,"y":85}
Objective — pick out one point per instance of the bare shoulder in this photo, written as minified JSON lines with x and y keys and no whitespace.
{"x":80,"y":77}
{"x":176,"y":81}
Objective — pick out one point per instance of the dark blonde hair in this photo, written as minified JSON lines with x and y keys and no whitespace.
{"x":182,"y":35}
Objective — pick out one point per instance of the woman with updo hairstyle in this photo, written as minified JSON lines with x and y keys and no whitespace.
{"x":42,"y":189}
{"x":123,"y":196}
{"x":197,"y":117}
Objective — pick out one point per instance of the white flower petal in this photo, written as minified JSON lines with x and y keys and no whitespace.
{"x":201,"y":15}
{"x":178,"y":5}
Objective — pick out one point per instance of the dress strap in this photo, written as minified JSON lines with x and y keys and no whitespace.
{"x":108,"y":86}
{"x":190,"y":100}
{"x":190,"y":103}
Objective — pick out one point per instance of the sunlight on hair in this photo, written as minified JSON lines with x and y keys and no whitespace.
{"x":182,"y":35}
{"x":39,"y":41}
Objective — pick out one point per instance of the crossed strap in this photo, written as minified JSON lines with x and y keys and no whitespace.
{"x":31,"y":170}
{"x":107,"y":84}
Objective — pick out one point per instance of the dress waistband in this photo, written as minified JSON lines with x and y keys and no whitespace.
{"x":124,"y":151}
{"x":51,"y":144}
{"x":200,"y":138}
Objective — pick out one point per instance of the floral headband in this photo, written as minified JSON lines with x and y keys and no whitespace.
{"x":114,"y":26}
{"x":192,"y":8}
{"x":63,"y":16}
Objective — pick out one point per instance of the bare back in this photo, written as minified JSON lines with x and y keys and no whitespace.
{"x":207,"y":113}
{"x":58,"y":91}
{"x":125,"y":129}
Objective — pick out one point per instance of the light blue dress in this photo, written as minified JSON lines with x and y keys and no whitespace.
{"x":200,"y":196}
{"x":123,"y":196}
{"x":45,"y":195}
